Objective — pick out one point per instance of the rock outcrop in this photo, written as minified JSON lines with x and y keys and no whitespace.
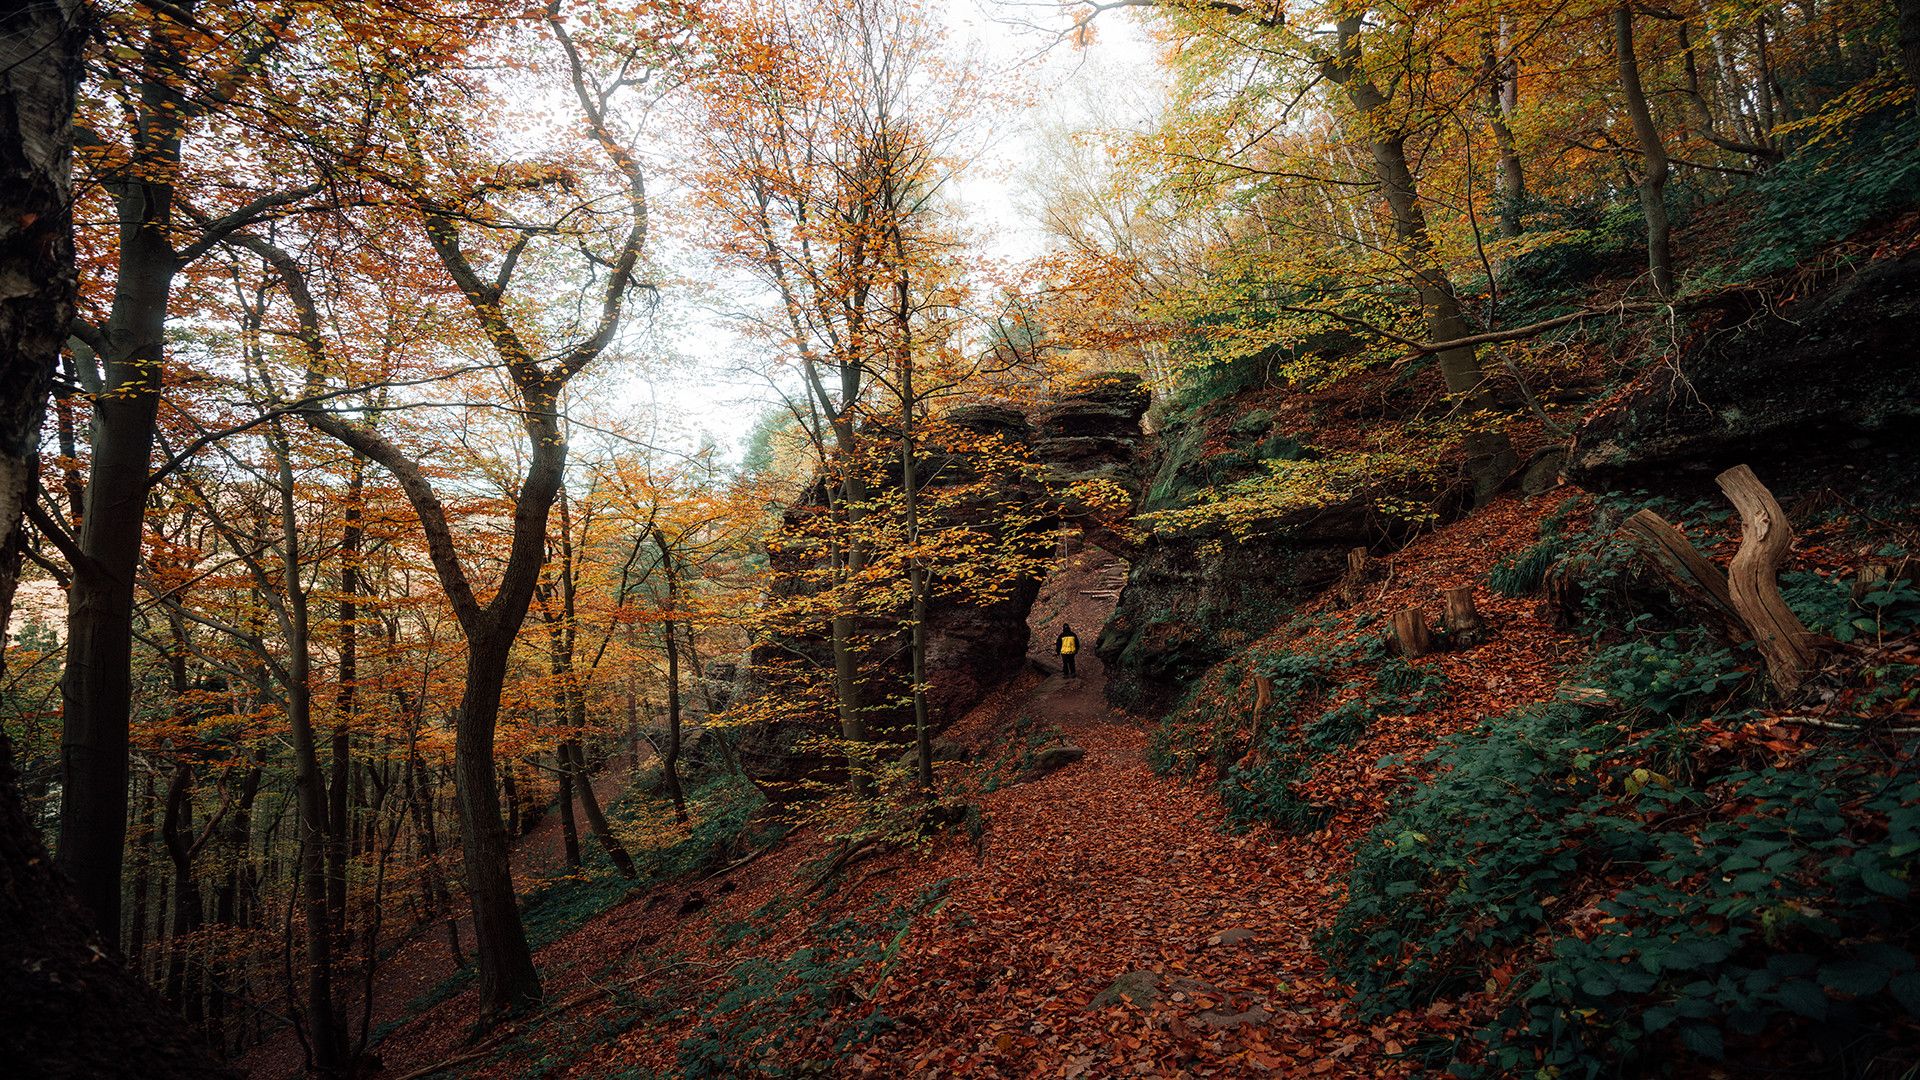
{"x":1092,"y":430}
{"x":1195,"y":597}
{"x":1829,"y":382}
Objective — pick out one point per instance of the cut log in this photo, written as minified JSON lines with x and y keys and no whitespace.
{"x":1586,"y":695}
{"x":1262,"y":697}
{"x":1410,"y":634}
{"x":1465,"y":628}
{"x":1699,"y":583}
{"x":1785,"y":645}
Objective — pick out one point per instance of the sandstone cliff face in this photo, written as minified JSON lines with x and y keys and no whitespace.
{"x":1194,"y":598}
{"x":1830,"y":382}
{"x":1090,"y":431}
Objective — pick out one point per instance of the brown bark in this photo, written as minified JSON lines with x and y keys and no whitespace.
{"x":1410,"y":633}
{"x":1908,"y":15}
{"x":72,"y":1008}
{"x":1490,"y":456}
{"x":1653,"y":166}
{"x":1464,"y":625}
{"x":1752,"y":585}
{"x":1502,"y":75}
{"x":670,"y":757}
{"x":1699,"y":583}
{"x":1353,"y":584}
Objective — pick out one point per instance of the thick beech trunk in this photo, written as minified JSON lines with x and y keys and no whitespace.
{"x":508,"y":981}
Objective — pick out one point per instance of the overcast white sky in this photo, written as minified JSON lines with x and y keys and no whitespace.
{"x":701,"y":392}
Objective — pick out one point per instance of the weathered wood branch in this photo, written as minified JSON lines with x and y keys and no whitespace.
{"x":1697,"y":580}
{"x":1786,"y":646}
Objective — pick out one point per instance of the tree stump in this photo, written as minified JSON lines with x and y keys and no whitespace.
{"x":1410,"y":633}
{"x":1564,"y":593}
{"x":1262,"y":697}
{"x":1465,"y":628}
{"x":1753,"y":588}
{"x":1871,"y":578}
{"x":1353,"y":583}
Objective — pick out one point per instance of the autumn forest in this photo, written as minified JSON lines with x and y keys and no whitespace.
{"x":1004,"y":538}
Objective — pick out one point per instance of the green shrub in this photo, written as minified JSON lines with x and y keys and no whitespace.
{"x":1827,"y":606}
{"x":1830,"y":188}
{"x":772,"y":1017}
{"x":1640,"y":916}
{"x":1675,"y":675}
{"x":1521,"y":574}
{"x":723,"y":806}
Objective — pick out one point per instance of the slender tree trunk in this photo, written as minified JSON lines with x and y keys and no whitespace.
{"x":910,"y":494}
{"x":352,"y":538}
{"x":569,"y":829}
{"x":142,"y":841}
{"x":326,"y":1033}
{"x":670,"y":758}
{"x":1503,"y":100}
{"x":1490,"y":456}
{"x":596,"y":818}
{"x":177,"y":830}
{"x":1908,"y":13}
{"x":235,"y":840}
{"x":1653,"y":154}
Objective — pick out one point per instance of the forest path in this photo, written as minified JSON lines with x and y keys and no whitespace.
{"x":423,"y":961}
{"x":1113,"y":926}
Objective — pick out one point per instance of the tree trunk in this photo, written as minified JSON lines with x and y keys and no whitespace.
{"x":228,"y":907}
{"x":1503,"y":99}
{"x":508,"y":981}
{"x":569,"y":829}
{"x":176,"y":829}
{"x":96,"y":688}
{"x":351,"y":539}
{"x":1653,"y":155}
{"x":670,"y":757}
{"x":1909,"y":23}
{"x":326,"y":1033}
{"x":1490,"y":456}
{"x":596,"y":819}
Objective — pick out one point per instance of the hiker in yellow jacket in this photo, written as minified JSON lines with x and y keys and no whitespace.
{"x":1067,"y":646}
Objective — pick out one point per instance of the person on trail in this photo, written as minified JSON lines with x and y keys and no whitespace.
{"x":1067,"y":646}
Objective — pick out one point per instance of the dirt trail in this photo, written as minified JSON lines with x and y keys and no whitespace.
{"x":423,"y":960}
{"x":1113,"y":928}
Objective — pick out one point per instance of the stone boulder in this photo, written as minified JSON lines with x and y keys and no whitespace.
{"x":1822,"y":384}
